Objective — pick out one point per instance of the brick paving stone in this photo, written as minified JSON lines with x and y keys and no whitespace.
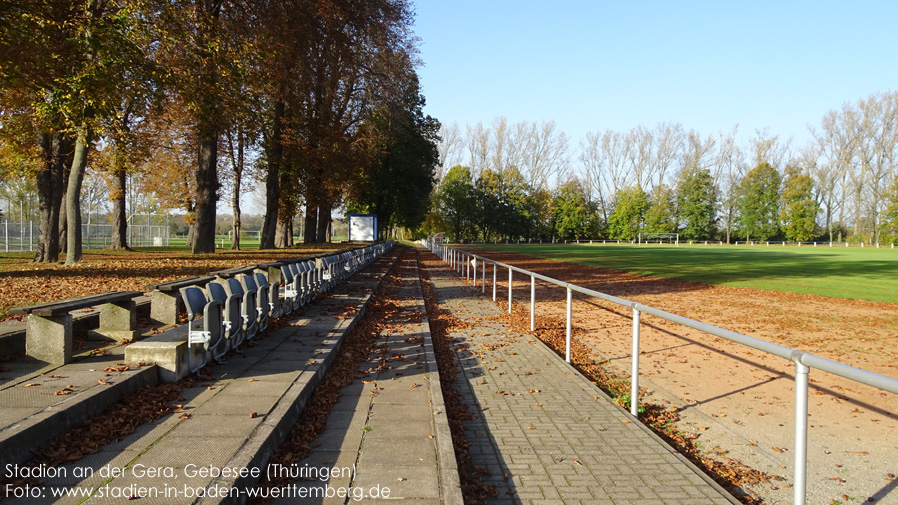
{"x":538,"y":428}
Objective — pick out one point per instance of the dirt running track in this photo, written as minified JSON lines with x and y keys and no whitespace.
{"x":740,"y":401}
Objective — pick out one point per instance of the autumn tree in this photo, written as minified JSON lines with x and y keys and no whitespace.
{"x":661,"y":214}
{"x":799,"y":209}
{"x":455,"y":201}
{"x":403,"y":151}
{"x":202,"y":48}
{"x":575,"y":216}
{"x":696,"y":200}
{"x":759,"y":199}
{"x":66,"y":70}
{"x":490,"y":207}
{"x":890,"y":217}
{"x":628,"y":217}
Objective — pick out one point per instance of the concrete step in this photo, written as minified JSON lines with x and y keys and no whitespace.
{"x":42,"y":401}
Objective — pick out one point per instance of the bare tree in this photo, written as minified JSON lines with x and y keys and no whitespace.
{"x":546,"y":154}
{"x":478,"y":142}
{"x":639,"y":155}
{"x":768,"y":148}
{"x":876,"y":142}
{"x":450,"y":147}
{"x":729,"y":170}
{"x":668,"y":143}
{"x":697,"y":152}
{"x":595,"y":164}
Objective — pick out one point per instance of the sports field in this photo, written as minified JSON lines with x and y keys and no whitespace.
{"x":853,"y":273}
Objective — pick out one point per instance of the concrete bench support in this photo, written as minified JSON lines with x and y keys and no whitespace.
{"x":164,"y":307}
{"x":168,"y":351}
{"x":49,"y":338}
{"x":118,"y":321}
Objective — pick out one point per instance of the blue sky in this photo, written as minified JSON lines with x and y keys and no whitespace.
{"x":597,"y":65}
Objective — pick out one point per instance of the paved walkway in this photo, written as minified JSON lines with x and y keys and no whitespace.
{"x":545,"y":434}
{"x":388,"y":437}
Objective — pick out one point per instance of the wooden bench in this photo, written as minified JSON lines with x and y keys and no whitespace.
{"x":166,"y":298}
{"x":48,"y":333}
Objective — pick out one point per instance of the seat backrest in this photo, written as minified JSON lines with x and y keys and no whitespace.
{"x":217,"y":292}
{"x":261,"y":280}
{"x":286,"y":274}
{"x":195,"y":300}
{"x":235,"y":288}
{"x":249,"y":283}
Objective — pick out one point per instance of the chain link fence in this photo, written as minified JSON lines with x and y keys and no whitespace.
{"x":144,"y":230}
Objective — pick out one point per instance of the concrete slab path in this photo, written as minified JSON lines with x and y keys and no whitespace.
{"x":387,"y":439}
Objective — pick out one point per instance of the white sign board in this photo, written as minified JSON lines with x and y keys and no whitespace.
{"x":362,"y":228}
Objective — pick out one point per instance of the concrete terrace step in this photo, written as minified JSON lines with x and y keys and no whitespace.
{"x":41,"y":401}
{"x":233,"y":421}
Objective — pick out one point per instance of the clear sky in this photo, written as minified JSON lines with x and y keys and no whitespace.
{"x":597,"y":65}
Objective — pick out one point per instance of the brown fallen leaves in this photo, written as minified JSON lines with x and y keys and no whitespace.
{"x":102,"y":271}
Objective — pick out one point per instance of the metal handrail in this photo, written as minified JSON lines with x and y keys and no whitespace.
{"x":803,"y":360}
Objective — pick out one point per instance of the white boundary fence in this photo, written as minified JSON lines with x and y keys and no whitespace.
{"x":462,"y":262}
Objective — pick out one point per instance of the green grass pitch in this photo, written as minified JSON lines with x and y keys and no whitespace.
{"x":837,"y":272}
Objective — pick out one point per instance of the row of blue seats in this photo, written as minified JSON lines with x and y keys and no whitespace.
{"x":237,"y":309}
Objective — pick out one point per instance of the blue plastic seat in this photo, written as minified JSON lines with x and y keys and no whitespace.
{"x":207,"y":343}
{"x":232,"y":322}
{"x":247,"y":307}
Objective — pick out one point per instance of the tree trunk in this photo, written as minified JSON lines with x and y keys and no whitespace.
{"x":324,"y":221}
{"x":206,"y":195}
{"x":235,"y":228}
{"x":310,"y":234}
{"x":63,"y":221}
{"x":191,"y":235}
{"x":73,"y":197}
{"x":282,"y":234}
{"x":272,"y":181}
{"x":119,"y":215}
{"x":237,"y":165}
{"x":49,"y":194}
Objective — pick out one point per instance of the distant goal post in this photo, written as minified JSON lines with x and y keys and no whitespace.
{"x":658,"y":238}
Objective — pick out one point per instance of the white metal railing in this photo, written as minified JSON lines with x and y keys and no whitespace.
{"x":463,"y":262}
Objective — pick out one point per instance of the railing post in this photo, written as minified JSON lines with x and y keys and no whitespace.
{"x":567,"y":335}
{"x":483,"y":277}
{"x":474,"y":260}
{"x":510,"y":271}
{"x":494,"y":281}
{"x":532,"y":303}
{"x":634,"y":377}
{"x":800,"y":467}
